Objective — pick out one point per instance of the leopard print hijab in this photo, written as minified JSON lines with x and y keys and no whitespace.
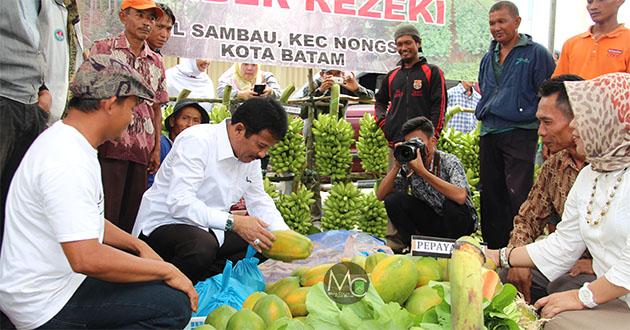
{"x":602,"y":110}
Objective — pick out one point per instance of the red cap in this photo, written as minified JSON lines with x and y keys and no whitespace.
{"x":141,"y":5}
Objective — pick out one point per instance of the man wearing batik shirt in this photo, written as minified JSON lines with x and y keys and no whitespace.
{"x":126,"y":161}
{"x":465,"y":96}
{"x":545,"y":202}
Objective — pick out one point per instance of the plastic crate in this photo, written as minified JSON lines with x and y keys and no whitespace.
{"x":195,"y":322}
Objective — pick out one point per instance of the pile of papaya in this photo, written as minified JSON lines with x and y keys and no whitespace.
{"x":405,"y":292}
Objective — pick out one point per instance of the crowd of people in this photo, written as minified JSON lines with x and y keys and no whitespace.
{"x":100,"y":212}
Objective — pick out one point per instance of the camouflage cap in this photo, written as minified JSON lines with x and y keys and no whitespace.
{"x":103,"y":76}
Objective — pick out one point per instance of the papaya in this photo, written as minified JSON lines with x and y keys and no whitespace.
{"x":372,"y":260}
{"x":286,"y":324}
{"x":288,"y":246}
{"x":271,"y":308}
{"x":299,"y":271}
{"x":491,"y":283}
{"x":315,"y":275}
{"x":443,"y":262}
{"x":283,"y":287}
{"x":464,"y":270}
{"x":252,"y":299}
{"x":394,"y":278}
{"x":205,"y":327}
{"x":422,"y":299}
{"x":428,"y":270}
{"x":246,"y":319}
{"x":219,"y":317}
{"x":359,"y":260}
{"x":296,"y":300}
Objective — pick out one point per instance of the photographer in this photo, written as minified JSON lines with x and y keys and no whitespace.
{"x":426,"y":192}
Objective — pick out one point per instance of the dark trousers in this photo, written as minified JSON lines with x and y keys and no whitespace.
{"x":20,"y":124}
{"x":506,"y":176}
{"x":411,"y":216}
{"x":541,"y":286}
{"x":124,"y":183}
{"x":103,"y":305}
{"x":195,"y":251}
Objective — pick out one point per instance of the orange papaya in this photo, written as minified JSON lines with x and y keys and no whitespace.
{"x":284,"y":286}
{"x":271,"y":308}
{"x":394,"y":278}
{"x":245,"y":319}
{"x":490,"y":283}
{"x":252,"y":299}
{"x":288,"y":246}
{"x":315,"y":275}
{"x":296,"y":301}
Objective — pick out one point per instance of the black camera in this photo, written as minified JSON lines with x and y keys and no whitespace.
{"x":406,"y":151}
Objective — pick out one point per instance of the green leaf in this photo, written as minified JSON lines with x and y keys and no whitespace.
{"x":443,"y":289}
{"x":430,"y":316}
{"x":323,"y":312}
{"x":349,"y":320}
{"x":504,"y":298}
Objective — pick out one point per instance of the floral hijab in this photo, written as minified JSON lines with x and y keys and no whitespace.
{"x":602,"y":112}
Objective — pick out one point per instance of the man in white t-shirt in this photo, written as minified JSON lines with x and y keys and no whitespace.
{"x":185,"y":215}
{"x":62,"y":264}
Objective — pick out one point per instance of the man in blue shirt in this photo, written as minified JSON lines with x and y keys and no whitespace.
{"x":509,"y":77}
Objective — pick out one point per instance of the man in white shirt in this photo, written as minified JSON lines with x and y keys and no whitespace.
{"x":62,"y":264}
{"x":185,"y":215}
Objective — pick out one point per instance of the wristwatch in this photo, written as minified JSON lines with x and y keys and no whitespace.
{"x":229,"y":223}
{"x":586,"y":296}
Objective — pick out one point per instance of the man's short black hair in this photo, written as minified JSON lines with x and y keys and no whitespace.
{"x":509,"y":5}
{"x":556,"y":85}
{"x":89,"y":105}
{"x":260,"y":113}
{"x":167,"y":11}
{"x":418,"y":123}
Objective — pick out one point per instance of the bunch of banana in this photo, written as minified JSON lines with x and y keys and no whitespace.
{"x":296,"y":209}
{"x":270,"y":189}
{"x":466,"y":147}
{"x":289,"y":154}
{"x":219,"y":113}
{"x":333,"y":138}
{"x":342,"y":207}
{"x":373,"y":217}
{"x":372,"y":146}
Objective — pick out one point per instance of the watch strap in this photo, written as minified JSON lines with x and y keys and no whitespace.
{"x":585,"y":295}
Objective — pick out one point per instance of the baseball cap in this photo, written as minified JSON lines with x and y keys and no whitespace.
{"x":205,"y":118}
{"x":104,"y":76}
{"x":142,"y":5}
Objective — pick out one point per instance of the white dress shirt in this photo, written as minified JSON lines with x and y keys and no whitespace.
{"x":608,"y":242}
{"x":199,"y":181}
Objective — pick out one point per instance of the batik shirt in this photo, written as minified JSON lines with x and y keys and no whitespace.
{"x":451,"y":170}
{"x":137,"y":142}
{"x":546,"y":199}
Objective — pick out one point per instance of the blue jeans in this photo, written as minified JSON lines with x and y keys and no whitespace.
{"x":104,"y":305}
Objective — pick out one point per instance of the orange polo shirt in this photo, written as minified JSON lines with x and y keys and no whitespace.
{"x":588,"y":57}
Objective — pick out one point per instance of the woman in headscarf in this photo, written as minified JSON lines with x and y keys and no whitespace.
{"x":596,"y":214}
{"x":191,"y":74}
{"x":243,"y":77}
